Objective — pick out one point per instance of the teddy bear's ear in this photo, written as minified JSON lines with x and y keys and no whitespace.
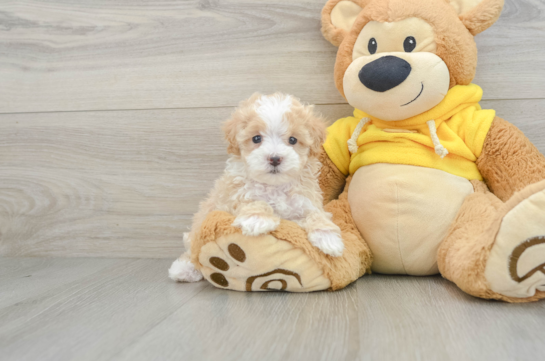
{"x":477,"y":15}
{"x":338,"y":16}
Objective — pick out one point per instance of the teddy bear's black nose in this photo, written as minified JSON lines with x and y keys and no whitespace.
{"x":384,"y":73}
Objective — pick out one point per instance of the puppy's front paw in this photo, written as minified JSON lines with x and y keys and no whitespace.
{"x":256,"y":225}
{"x":183,"y":270}
{"x":329,"y":242}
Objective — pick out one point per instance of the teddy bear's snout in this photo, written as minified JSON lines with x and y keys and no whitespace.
{"x":384,"y":73}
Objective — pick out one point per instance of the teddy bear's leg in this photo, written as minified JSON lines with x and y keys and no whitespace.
{"x":282,"y":260}
{"x":357,"y":257}
{"x":496,"y":250}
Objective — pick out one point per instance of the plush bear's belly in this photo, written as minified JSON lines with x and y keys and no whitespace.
{"x":404,"y":212}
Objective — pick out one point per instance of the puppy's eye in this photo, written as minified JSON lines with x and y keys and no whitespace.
{"x":293,"y":140}
{"x":409,"y":44}
{"x":256,"y":139}
{"x":372,"y":46}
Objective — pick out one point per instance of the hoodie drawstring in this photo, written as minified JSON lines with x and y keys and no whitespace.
{"x":440,"y":150}
{"x":353,"y":141}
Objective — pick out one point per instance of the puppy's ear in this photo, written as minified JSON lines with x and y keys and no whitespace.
{"x":338,"y":16}
{"x":230,"y":128}
{"x":317,"y":128}
{"x":477,"y":15}
{"x":235,"y":124}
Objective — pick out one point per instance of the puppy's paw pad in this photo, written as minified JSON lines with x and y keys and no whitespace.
{"x":184,"y":271}
{"x":256,"y":225}
{"x":328,"y":242}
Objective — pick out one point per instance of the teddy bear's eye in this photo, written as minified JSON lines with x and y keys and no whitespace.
{"x":256,"y":139}
{"x":409,"y":44}
{"x":372,"y":47}
{"x":293,"y":140}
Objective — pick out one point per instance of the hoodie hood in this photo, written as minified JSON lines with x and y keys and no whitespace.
{"x":449,"y":137}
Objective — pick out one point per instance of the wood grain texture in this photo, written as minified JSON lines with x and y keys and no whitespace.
{"x":21,"y":279}
{"x":79,"y":55}
{"x":126,"y":183}
{"x":129,"y":310}
{"x":92,"y":316}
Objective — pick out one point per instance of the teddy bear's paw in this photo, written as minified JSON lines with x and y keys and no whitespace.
{"x":262,"y":263}
{"x":516,"y":265}
{"x":329,"y":242}
{"x":182,"y":270}
{"x":256,"y":225}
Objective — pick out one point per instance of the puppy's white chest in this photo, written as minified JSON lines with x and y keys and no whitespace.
{"x":290,"y":207}
{"x":286,"y":204}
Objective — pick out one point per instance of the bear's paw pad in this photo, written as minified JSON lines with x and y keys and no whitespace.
{"x":262,"y":263}
{"x":516,"y":266}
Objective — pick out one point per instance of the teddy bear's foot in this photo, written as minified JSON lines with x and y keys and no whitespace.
{"x":516,"y":265}
{"x":262,"y":263}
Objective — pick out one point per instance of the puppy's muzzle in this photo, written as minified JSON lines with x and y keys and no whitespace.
{"x":384,"y":73}
{"x":275,"y":161}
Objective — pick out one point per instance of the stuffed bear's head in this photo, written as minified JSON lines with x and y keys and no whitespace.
{"x":398,"y":58}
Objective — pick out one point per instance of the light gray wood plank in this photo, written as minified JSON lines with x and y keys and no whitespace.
{"x":219,"y":325}
{"x":100,"y":183}
{"x":129,"y":310}
{"x":126,"y":183}
{"x":79,"y":55}
{"x":431,"y":319}
{"x":378,"y":318}
{"x":22,"y":278}
{"x":503,"y":71}
{"x":92,"y":318}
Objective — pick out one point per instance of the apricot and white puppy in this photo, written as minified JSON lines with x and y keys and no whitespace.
{"x":272,"y":174}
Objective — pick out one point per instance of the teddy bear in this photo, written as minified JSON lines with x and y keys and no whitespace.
{"x":420,"y":179}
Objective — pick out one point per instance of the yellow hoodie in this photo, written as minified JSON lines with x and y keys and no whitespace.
{"x":461,"y":127}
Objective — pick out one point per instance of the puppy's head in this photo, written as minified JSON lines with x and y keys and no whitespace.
{"x":275,"y":136}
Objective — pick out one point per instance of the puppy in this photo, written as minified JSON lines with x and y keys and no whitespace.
{"x":272,"y":173}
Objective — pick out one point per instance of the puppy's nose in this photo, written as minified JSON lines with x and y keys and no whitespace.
{"x":384,"y":73}
{"x":275,"y":161}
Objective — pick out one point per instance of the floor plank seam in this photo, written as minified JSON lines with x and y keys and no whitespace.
{"x":136,"y":339}
{"x":207,"y":107}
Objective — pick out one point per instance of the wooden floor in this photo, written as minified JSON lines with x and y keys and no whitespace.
{"x":110,"y":114}
{"x":126,"y":309}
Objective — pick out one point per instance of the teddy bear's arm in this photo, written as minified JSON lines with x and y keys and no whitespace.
{"x":331,"y":179}
{"x":509,"y":161}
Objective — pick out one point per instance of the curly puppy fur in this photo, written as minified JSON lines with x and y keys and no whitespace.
{"x":272,"y":173}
